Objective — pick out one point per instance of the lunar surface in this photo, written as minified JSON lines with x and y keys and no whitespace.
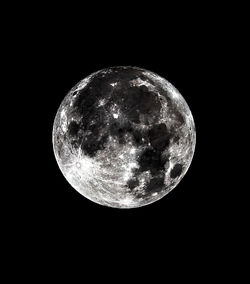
{"x":124,"y":137}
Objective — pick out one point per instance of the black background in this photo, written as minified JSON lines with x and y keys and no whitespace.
{"x":54,"y":50}
{"x":62,"y":57}
{"x":179,"y":67}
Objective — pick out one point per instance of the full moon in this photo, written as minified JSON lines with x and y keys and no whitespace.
{"x":124,"y":137}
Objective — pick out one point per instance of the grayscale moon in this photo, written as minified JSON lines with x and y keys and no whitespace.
{"x":124,"y":137}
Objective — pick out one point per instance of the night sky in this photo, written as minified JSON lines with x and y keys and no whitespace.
{"x":53,"y":53}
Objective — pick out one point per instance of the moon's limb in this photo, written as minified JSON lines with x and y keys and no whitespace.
{"x":124,"y":137}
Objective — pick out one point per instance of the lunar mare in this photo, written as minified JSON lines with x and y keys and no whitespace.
{"x":124,"y":137}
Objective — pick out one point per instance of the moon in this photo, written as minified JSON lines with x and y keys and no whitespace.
{"x":124,"y":137}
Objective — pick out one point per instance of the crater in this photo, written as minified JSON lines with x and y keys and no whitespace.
{"x":176,"y":171}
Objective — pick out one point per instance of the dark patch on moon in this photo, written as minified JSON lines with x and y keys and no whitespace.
{"x":140,"y":137}
{"x":73,"y":128}
{"x":156,"y":184}
{"x":176,"y":138}
{"x":159,"y":137}
{"x":138,"y":100}
{"x":151,"y":160}
{"x":176,"y":171}
{"x":132,"y":183}
{"x":118,"y":129}
{"x":94,"y":143}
